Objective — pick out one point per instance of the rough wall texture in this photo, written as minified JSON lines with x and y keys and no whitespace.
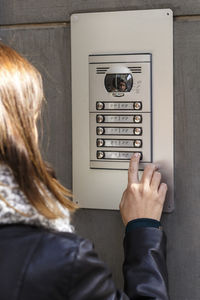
{"x":41,"y":31}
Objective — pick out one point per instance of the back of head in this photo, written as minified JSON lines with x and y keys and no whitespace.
{"x":21,"y":97}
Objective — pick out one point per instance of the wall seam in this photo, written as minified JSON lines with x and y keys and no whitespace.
{"x":187,"y":18}
{"x":67,"y":23}
{"x":31,"y":25}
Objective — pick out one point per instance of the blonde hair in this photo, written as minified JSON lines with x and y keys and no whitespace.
{"x":21,"y":98}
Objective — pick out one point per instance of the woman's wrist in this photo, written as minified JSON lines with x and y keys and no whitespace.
{"x":142,"y":222}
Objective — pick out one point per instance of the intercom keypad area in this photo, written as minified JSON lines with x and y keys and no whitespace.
{"x":120,"y":109}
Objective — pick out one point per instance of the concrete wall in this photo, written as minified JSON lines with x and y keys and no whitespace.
{"x":41,"y":31}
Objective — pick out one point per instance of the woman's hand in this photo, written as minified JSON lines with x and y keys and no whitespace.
{"x":144,"y":198}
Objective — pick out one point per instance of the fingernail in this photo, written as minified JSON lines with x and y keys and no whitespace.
{"x":137,"y":154}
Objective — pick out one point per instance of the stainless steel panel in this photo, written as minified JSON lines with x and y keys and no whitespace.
{"x":150,"y":31}
{"x":112,"y":69}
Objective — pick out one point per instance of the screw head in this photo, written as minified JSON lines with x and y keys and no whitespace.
{"x":99,"y":105}
{"x":100,"y":118}
{"x":100,"y":143}
{"x":138,"y":105}
{"x":138,"y":131}
{"x":138,"y":143}
{"x":100,"y":130}
{"x":100,"y":154}
{"x":138,"y":119}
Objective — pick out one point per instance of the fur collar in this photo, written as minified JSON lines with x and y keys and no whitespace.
{"x":14,"y":197}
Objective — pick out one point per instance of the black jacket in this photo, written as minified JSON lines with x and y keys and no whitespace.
{"x":36,"y":264}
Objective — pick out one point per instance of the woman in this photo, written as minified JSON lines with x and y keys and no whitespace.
{"x":40,"y":256}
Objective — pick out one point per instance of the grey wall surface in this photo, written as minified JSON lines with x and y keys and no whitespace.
{"x":40,"y":30}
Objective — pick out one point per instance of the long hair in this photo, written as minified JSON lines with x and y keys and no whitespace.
{"x":21,"y":98}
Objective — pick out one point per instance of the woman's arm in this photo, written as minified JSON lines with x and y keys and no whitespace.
{"x":144,"y":269}
{"x":145,"y":272}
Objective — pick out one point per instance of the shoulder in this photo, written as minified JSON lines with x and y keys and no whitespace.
{"x":48,"y":261}
{"x":64,"y":242}
{"x":64,"y":254}
{"x":61,"y":243}
{"x":43,"y":243}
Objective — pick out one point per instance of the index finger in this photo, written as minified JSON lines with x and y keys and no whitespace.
{"x":133,"y":168}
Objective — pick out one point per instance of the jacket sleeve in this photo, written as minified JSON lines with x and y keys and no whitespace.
{"x":144,"y":270}
{"x":90,"y":278}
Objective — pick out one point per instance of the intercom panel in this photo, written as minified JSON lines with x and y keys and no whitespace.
{"x":122,"y":101}
{"x":120,"y":109}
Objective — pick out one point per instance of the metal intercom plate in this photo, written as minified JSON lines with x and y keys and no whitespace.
{"x":122,"y":101}
{"x":120,"y":108}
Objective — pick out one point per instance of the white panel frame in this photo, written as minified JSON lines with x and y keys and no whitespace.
{"x":145,"y":31}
